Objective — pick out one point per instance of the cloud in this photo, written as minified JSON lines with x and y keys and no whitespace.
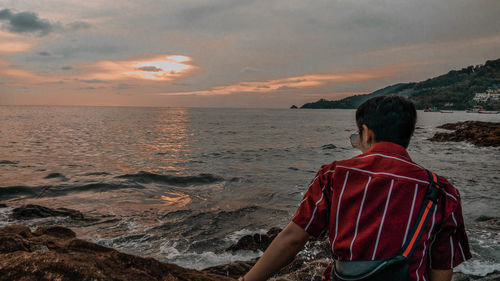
{"x":44,"y":54}
{"x":249,"y":69}
{"x":123,"y":86}
{"x":77,"y":25}
{"x":150,"y":68}
{"x":163,"y":68}
{"x":67,"y":67}
{"x":282,"y":88}
{"x":92,"y":81}
{"x":13,"y":43}
{"x":25,"y":22}
{"x":289,"y":83}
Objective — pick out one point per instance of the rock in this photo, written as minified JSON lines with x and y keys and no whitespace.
{"x":28,"y":212}
{"x":12,"y":243}
{"x":476,"y":132}
{"x":55,"y":231}
{"x":491,"y":223}
{"x":42,"y":256}
{"x":495,"y":276}
{"x":328,"y":146}
{"x":20,"y":230}
{"x":460,"y":277}
{"x":252,"y":243}
{"x":300,"y":270}
{"x":233,"y":270}
{"x":3,"y":205}
{"x":293,"y":107}
{"x":484,"y":218}
{"x":255,"y":242}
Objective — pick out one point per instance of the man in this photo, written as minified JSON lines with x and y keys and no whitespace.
{"x":368,"y":204}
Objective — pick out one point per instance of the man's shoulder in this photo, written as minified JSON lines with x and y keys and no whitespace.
{"x":449,"y":191}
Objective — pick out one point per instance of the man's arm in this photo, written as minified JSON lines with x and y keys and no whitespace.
{"x":441,"y":275}
{"x":281,"y":252}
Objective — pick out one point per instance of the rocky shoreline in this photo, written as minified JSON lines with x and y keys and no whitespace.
{"x":476,"y":132}
{"x":55,"y":253}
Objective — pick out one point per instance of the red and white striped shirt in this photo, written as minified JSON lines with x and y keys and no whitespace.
{"x":369,"y":203}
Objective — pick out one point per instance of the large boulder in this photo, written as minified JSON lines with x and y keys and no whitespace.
{"x":53,"y":253}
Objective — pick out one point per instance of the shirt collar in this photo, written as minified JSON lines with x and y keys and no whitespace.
{"x":388,"y":148}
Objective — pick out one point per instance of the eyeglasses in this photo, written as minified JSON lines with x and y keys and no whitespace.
{"x":354,"y":138}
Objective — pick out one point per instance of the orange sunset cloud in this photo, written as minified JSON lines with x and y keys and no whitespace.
{"x":161,"y":68}
{"x":12,"y":43}
{"x":289,"y":83}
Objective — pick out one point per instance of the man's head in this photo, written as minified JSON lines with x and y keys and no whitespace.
{"x":389,"y":118}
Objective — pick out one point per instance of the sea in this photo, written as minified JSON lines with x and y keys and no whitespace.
{"x":183,"y":184}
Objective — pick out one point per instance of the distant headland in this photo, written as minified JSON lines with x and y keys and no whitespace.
{"x":455,"y":90}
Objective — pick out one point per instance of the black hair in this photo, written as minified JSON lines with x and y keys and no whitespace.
{"x":392,"y":118}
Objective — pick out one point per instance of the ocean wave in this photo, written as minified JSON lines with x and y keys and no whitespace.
{"x":55,"y":175}
{"x":477,"y":267}
{"x":235,"y":236}
{"x":218,"y":224}
{"x":8,"y":162}
{"x":102,"y":187}
{"x":13,"y":191}
{"x":203,"y":260}
{"x":60,"y":190}
{"x":5,"y":216}
{"x":146,"y":177}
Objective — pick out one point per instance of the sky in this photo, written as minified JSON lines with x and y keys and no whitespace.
{"x":232,"y":53}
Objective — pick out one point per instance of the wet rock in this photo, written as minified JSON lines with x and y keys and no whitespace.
{"x":55,"y":231}
{"x":234,"y":269}
{"x":255,"y":242}
{"x":30,"y":211}
{"x":3,"y":205}
{"x":20,"y":230}
{"x":12,"y":243}
{"x":476,"y":132}
{"x":328,"y":146}
{"x":43,"y":256}
{"x":300,"y":270}
{"x":494,"y":276}
{"x":483,"y":218}
{"x":489,"y":222}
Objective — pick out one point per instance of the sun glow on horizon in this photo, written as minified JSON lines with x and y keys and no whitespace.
{"x":161,"y":68}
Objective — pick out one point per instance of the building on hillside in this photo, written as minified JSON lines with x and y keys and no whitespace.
{"x":489,"y":95}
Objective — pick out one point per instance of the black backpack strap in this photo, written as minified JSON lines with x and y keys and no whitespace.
{"x":430,"y":202}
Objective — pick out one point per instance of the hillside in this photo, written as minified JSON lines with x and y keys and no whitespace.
{"x":453,"y":90}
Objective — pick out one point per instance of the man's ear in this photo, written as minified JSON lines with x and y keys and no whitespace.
{"x":368,"y":135}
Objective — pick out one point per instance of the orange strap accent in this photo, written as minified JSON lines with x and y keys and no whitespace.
{"x":434,"y":177}
{"x":420,"y":224}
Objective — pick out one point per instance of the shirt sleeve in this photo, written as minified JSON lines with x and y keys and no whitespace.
{"x":450,"y":246}
{"x":313,"y":212}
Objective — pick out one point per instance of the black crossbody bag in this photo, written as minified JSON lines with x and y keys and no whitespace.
{"x":396,"y":267}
